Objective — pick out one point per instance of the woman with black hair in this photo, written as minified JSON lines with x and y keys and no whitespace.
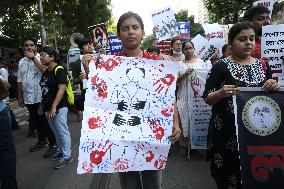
{"x":189,"y":63}
{"x":130,"y":30}
{"x":176,"y":52}
{"x":55,"y":104}
{"x":238,"y":70}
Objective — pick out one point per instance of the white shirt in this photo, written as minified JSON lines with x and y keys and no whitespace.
{"x":29,"y":75}
{"x":4,"y":73}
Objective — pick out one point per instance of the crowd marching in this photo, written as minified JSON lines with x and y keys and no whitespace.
{"x":42,"y":87}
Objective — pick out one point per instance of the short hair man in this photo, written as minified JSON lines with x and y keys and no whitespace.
{"x":258,"y":16}
{"x":29,"y":93}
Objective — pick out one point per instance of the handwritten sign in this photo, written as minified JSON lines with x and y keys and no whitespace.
{"x":200,"y":112}
{"x":128,"y":115}
{"x":215,"y":35}
{"x":165,"y":20}
{"x":272,"y":47}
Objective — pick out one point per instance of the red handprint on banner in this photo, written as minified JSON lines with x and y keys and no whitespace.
{"x":156,"y":128}
{"x":99,"y":85}
{"x":87,"y":168}
{"x":164,"y":83}
{"x":96,"y":156}
{"x":167,"y":112}
{"x":110,"y":63}
{"x":94,"y":122}
{"x":150,"y":156}
{"x":121,"y":165}
{"x":161,"y":162}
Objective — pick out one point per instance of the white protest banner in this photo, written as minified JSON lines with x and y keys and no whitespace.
{"x":265,"y":3}
{"x":165,"y":20}
{"x":200,"y":112}
{"x":201,"y":45}
{"x":215,"y":35}
{"x":128,"y":115}
{"x":272,"y":47}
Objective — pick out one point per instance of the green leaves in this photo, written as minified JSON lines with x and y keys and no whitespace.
{"x":226,"y":12}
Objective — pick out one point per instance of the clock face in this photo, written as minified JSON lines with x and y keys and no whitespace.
{"x":261,"y":115}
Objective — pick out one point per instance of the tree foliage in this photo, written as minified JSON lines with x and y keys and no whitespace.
{"x":21,"y":18}
{"x":226,"y":12}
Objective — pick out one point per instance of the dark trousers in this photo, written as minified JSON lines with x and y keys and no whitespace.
{"x":41,"y":124}
{"x":7,"y":152}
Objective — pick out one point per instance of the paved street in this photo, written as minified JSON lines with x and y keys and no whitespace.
{"x":35,"y":172}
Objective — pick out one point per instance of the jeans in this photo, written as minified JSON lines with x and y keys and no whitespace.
{"x":40,"y":123}
{"x":59,"y":126}
{"x":135,"y":180}
{"x":7,"y":152}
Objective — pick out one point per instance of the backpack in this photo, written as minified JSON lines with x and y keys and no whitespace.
{"x":69,"y":90}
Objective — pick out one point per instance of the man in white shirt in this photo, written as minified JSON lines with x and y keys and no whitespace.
{"x":29,"y":94}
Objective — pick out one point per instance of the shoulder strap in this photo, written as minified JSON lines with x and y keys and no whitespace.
{"x":61,"y":67}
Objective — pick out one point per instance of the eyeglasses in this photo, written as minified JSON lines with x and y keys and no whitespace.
{"x":261,"y":18}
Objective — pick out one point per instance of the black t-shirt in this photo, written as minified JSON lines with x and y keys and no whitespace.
{"x":49,"y":86}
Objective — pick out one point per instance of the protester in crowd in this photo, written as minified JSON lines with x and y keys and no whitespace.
{"x":29,"y":94}
{"x":12,"y":78}
{"x":7,"y":147}
{"x":86,"y":47}
{"x":130,"y":30}
{"x":176,"y":52}
{"x":259,"y":16}
{"x":55,"y":104}
{"x":154,"y":50}
{"x":189,"y":63}
{"x":238,"y":70}
{"x":4,"y":75}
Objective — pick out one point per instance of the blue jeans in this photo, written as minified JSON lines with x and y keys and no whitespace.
{"x":135,"y":180}
{"x":7,"y":152}
{"x":59,"y":126}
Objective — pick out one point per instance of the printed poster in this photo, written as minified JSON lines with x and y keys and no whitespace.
{"x":165,"y":20}
{"x":99,"y":35}
{"x":115,"y":44}
{"x":260,"y":129}
{"x":200,"y":112}
{"x":128,"y":115}
{"x":184,"y":31}
{"x":266,"y":3}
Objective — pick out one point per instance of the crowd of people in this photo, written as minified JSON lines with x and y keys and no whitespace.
{"x":42,"y":89}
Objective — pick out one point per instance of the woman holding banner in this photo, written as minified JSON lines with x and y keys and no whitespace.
{"x":190,"y":62}
{"x":237,"y":70}
{"x":130,"y":30}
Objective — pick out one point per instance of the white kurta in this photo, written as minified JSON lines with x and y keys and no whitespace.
{"x":182,"y":93}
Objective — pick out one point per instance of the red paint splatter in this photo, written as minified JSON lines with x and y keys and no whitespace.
{"x":100,"y":86}
{"x":159,"y":133}
{"x":121,"y":165}
{"x":94,"y":122}
{"x":164,"y":82}
{"x":96,"y":156}
{"x":150,"y":157}
{"x":160,"y":163}
{"x":110,"y":64}
{"x":156,"y":128}
{"x":162,"y":65}
{"x":167,"y":112}
{"x":87,"y":168}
